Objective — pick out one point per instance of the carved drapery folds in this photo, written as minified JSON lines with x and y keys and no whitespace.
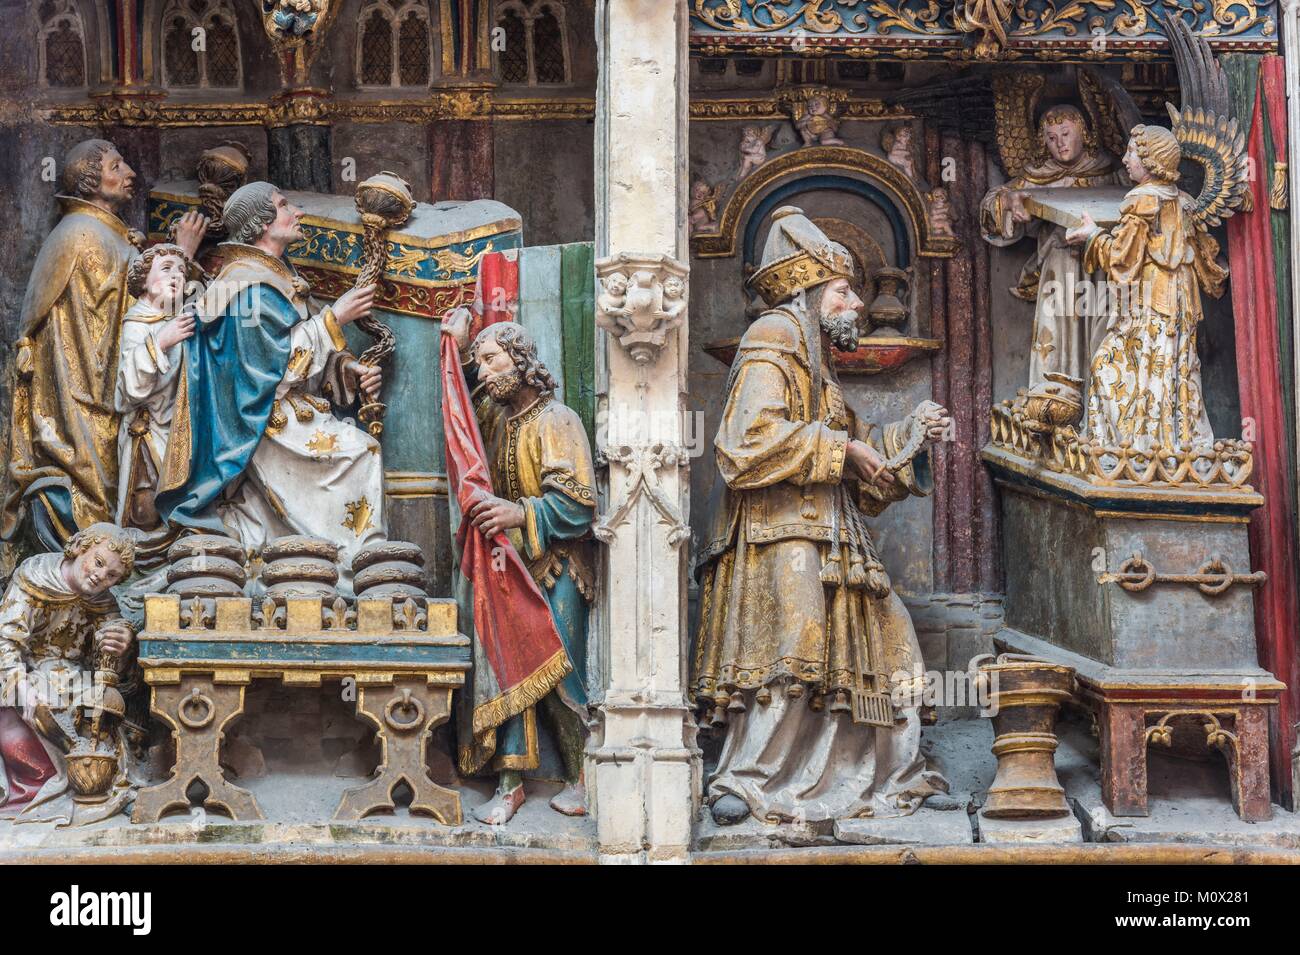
{"x":642,"y":298}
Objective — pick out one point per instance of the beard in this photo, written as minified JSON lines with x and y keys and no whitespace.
{"x":505,"y":386}
{"x":842,"y":327}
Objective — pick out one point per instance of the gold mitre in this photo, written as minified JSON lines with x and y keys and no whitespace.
{"x":798,"y":255}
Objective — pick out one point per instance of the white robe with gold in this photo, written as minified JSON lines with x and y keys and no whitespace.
{"x":46,"y":643}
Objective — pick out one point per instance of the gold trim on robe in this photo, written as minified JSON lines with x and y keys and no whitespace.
{"x":64,"y":427}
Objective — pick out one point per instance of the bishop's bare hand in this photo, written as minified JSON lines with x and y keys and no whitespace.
{"x":493,"y":515}
{"x":456,"y":324}
{"x":868,"y":463}
{"x":190,"y":230}
{"x":353,"y":304}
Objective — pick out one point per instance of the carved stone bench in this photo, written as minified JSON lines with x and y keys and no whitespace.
{"x":198,"y":657}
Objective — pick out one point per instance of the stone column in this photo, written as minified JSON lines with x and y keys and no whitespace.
{"x":643,"y":764}
{"x":299,"y":142}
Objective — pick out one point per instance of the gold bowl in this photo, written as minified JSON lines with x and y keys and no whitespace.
{"x":91,"y":775}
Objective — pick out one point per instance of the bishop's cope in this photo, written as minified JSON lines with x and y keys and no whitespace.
{"x":804,"y":651}
{"x":256,"y":450}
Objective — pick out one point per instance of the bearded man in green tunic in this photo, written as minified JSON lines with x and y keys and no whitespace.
{"x":541,"y":467}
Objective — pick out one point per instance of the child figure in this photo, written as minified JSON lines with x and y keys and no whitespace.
{"x":59,"y":623}
{"x":147,"y":375}
{"x":818,"y":125}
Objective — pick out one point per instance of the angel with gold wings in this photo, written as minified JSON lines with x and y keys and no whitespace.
{"x":1061,"y":151}
{"x":1159,"y":258}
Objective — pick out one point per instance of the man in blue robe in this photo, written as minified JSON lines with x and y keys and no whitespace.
{"x":256,"y":451}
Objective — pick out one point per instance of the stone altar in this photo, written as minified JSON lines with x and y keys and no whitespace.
{"x":1133,"y":573}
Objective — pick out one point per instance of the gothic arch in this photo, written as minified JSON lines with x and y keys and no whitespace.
{"x":393,"y":44}
{"x":63,"y":58}
{"x":546,"y":59}
{"x":855,"y":169}
{"x":219,"y":66}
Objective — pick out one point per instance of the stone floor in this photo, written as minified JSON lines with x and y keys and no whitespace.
{"x":1189,"y":805}
{"x":298,"y":809}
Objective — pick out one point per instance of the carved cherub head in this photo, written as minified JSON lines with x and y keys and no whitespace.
{"x":157,"y":275}
{"x":94,"y":169}
{"x":97,"y":558}
{"x":674,"y":287}
{"x":817,"y":106}
{"x":615,"y":284}
{"x":751,"y":137}
{"x":700,"y":190}
{"x":1064,"y":133}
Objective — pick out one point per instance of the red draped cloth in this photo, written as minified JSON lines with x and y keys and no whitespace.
{"x":26,"y":765}
{"x":1254,"y":304}
{"x":512,"y":620}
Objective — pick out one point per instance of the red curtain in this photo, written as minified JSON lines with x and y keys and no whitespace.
{"x":1254,"y":304}
{"x":512,"y":620}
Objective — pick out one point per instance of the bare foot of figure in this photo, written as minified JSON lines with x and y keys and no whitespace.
{"x":501,"y":808}
{"x":571,"y":800}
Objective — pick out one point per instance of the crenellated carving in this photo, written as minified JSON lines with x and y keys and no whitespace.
{"x":642,"y":298}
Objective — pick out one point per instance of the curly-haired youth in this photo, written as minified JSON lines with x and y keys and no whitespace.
{"x":519,"y":345}
{"x":118,"y":539}
{"x":137,"y":273}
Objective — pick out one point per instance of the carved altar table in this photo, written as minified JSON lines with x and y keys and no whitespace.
{"x":1136,"y":572}
{"x":198,"y":657}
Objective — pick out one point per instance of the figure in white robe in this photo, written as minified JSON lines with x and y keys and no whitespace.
{"x":1067,"y":329}
{"x":152,"y":352}
{"x":256,"y":450}
{"x":57,"y":622}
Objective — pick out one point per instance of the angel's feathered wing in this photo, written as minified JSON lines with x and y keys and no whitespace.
{"x":1206,"y":128}
{"x":1015,"y":98}
{"x":1111,"y":110}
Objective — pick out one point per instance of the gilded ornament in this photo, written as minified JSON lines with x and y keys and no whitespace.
{"x":358,"y":518}
{"x":323,"y":442}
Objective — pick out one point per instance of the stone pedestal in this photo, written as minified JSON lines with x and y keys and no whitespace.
{"x":1019,"y":831}
{"x":1144,"y":587}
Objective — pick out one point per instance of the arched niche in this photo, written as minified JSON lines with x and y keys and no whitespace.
{"x":780,"y":179}
{"x":756,"y":223}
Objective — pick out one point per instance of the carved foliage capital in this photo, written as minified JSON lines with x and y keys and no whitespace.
{"x":641,"y":298}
